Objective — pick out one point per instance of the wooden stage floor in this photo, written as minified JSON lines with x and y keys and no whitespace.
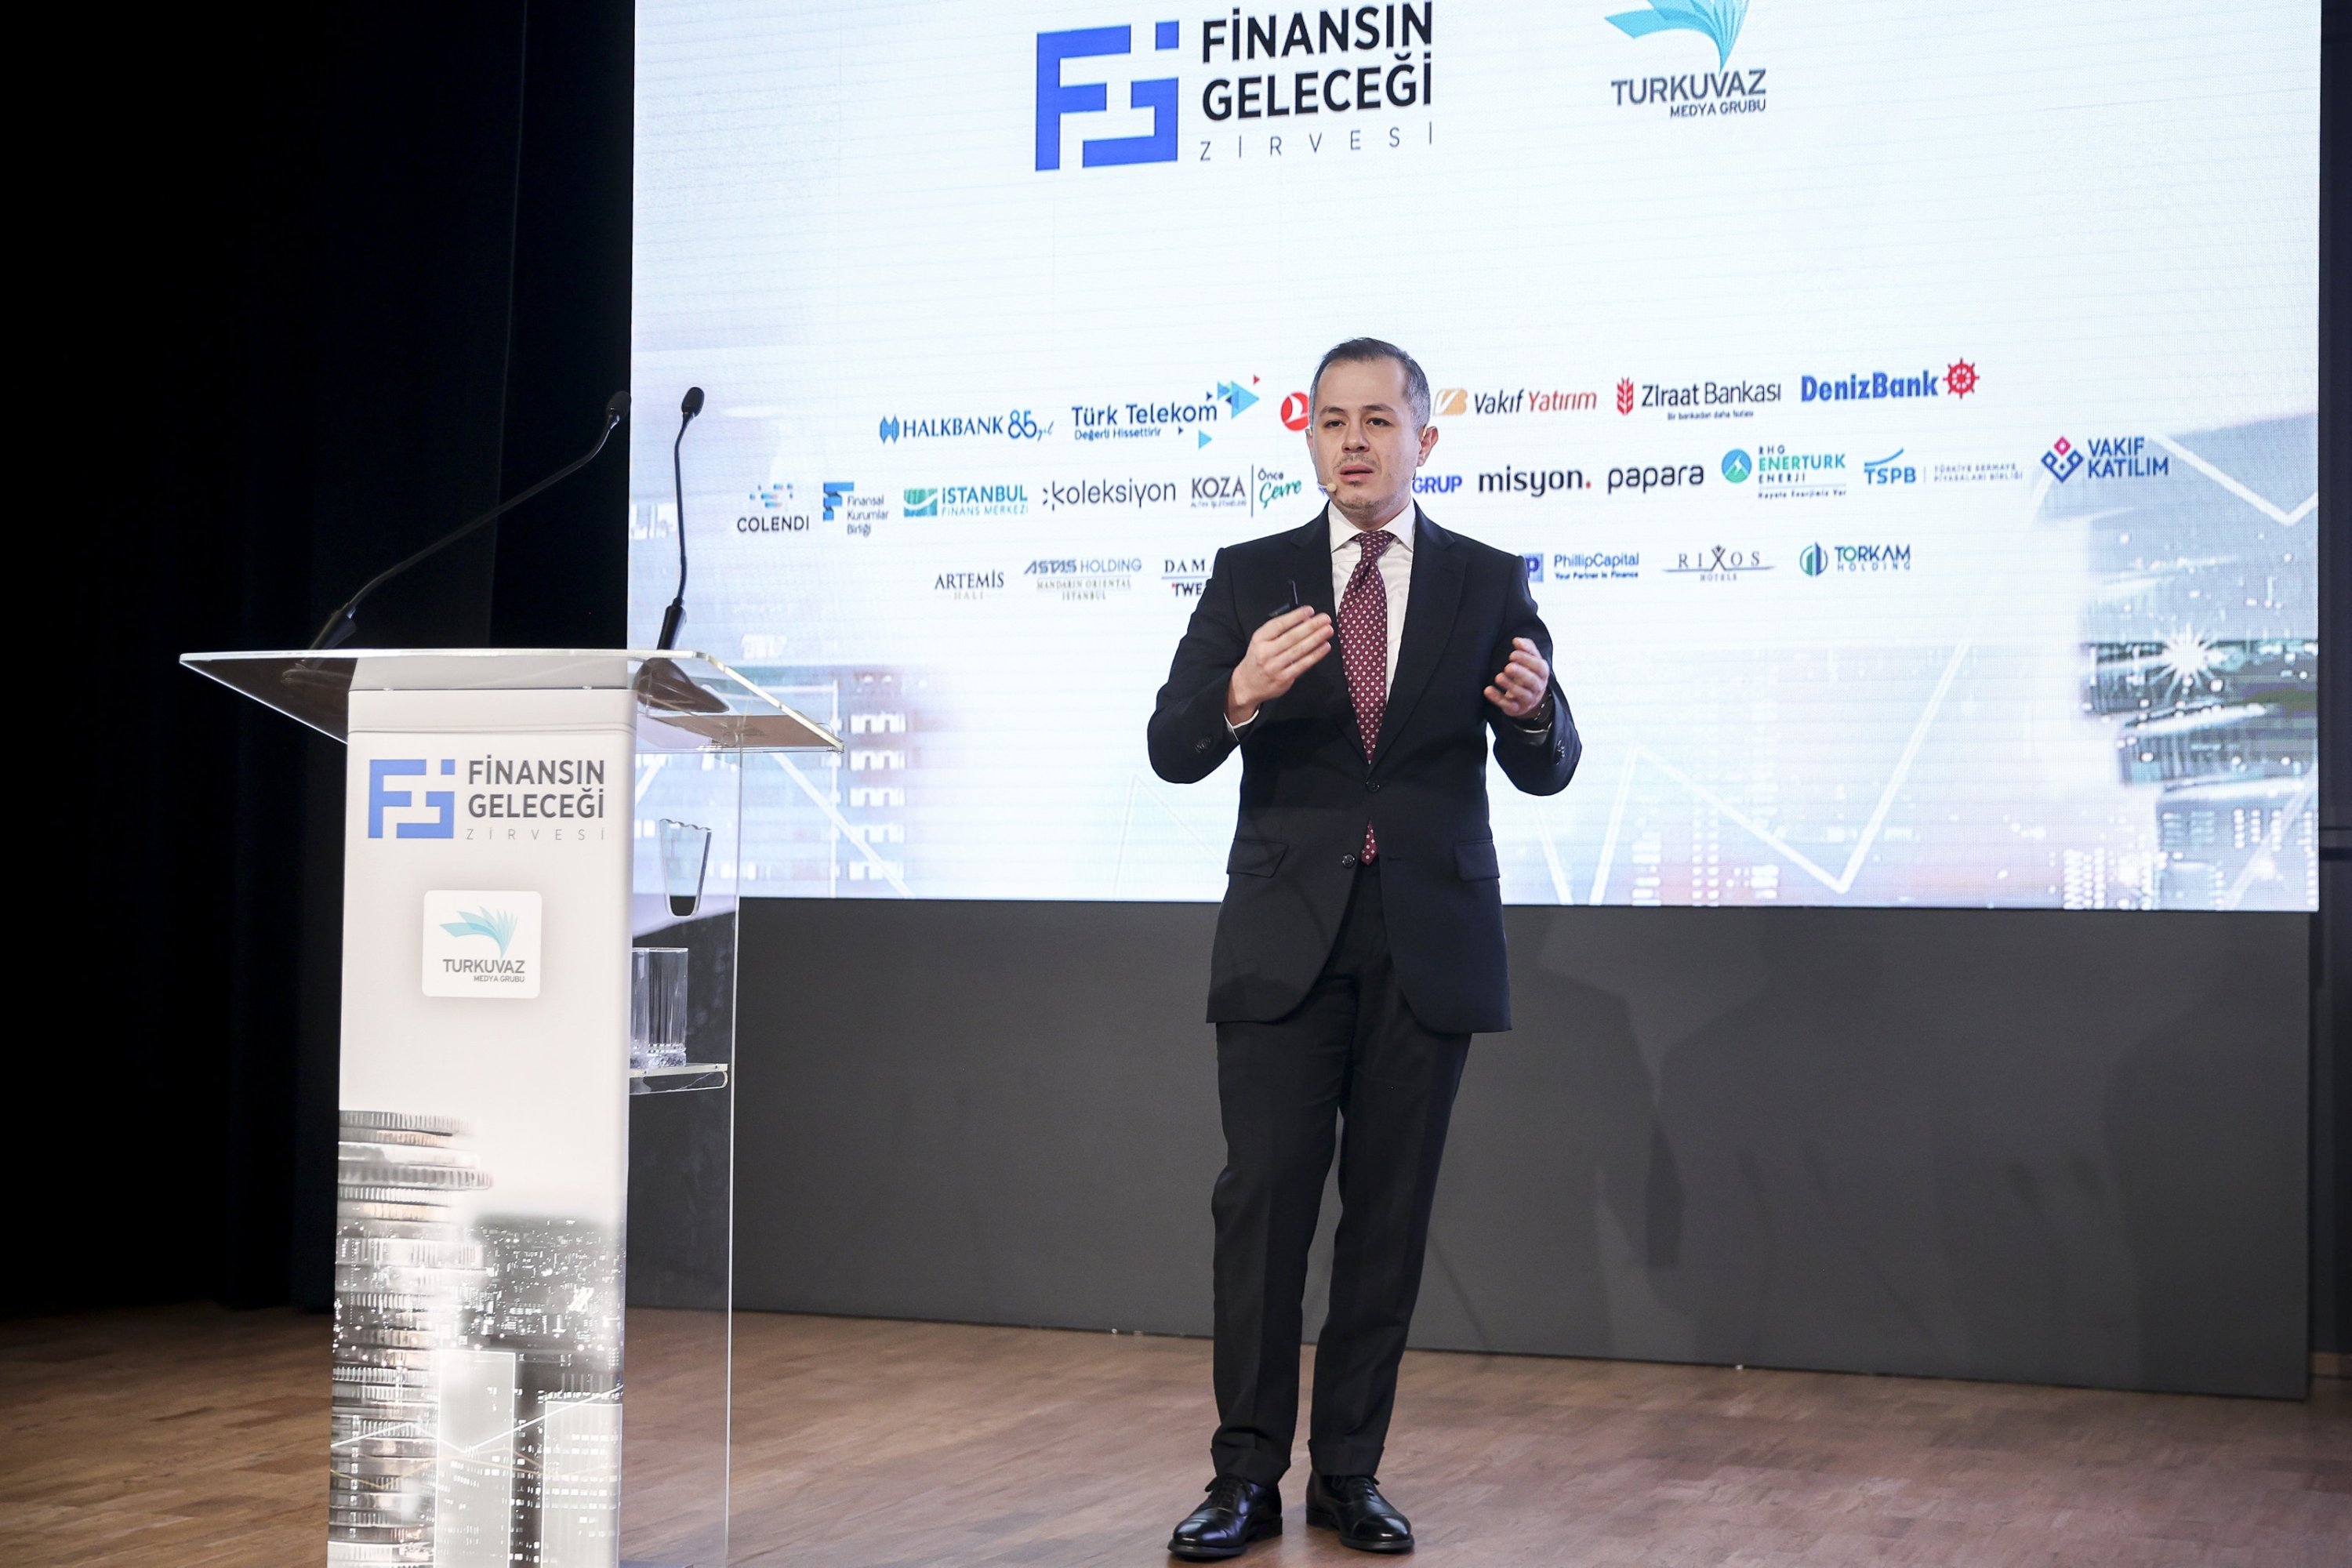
{"x":194,"y":1436}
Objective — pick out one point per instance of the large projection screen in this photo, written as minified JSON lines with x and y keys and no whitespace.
{"x":1905,"y":412}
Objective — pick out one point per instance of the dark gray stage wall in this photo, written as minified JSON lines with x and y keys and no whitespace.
{"x":2061,"y":1148}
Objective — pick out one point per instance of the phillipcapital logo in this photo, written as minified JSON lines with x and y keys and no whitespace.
{"x":482,"y":944}
{"x":1692,"y":95}
{"x":2109,"y":457}
{"x":1596,"y":566}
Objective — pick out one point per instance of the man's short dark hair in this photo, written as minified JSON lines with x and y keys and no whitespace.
{"x":1357,"y":351}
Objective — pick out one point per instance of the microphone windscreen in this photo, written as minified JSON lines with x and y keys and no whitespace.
{"x":691,"y":405}
{"x":616,"y":407}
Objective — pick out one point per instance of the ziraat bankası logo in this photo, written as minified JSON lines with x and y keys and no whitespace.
{"x":1698,"y":399}
{"x":1690,"y":91}
{"x":1229,"y":87}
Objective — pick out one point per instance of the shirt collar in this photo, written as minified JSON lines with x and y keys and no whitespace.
{"x":1343,"y":532}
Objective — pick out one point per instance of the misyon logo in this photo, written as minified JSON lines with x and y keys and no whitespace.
{"x":1014,"y":425}
{"x":1957,"y":379}
{"x":1891,"y":470}
{"x":483,"y":945}
{"x":1057,"y":98}
{"x":1693,"y":94}
{"x":1717,"y":563}
{"x":1737,"y":464}
{"x":1533,"y":483}
{"x":1813,"y":560}
{"x":2108,"y":458}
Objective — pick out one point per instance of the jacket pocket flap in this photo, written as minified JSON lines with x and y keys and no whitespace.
{"x":1255,"y":856}
{"x":1476,"y":861}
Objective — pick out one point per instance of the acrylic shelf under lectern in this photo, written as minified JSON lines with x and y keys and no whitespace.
{"x":534,"y":1215}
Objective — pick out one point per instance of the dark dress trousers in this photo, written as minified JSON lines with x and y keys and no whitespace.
{"x":1346,"y":993}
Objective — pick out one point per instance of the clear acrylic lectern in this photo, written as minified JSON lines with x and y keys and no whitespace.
{"x":535,"y":1181}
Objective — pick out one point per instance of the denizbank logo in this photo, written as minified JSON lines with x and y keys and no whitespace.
{"x":1957,"y":379}
{"x":1692,"y":95}
{"x":482,"y":944}
{"x":1273,"y":85}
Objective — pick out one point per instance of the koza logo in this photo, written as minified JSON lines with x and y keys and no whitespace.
{"x":383,"y":798}
{"x":1056,"y":98}
{"x":482,"y":944}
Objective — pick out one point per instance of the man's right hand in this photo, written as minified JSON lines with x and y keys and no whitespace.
{"x":1284,"y":648}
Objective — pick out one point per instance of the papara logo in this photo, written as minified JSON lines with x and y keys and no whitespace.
{"x":499,"y":925}
{"x":1057,"y":98}
{"x":1719,"y":20}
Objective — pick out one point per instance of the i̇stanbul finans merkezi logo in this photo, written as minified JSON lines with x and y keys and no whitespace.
{"x":1692,"y":95}
{"x":1293,"y":73}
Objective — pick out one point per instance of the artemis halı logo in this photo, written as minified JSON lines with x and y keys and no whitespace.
{"x":1693,"y":95}
{"x":1304,"y":68}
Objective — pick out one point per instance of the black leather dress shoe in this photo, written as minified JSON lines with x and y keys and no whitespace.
{"x":1353,"y":1506}
{"x":1236,"y":1513}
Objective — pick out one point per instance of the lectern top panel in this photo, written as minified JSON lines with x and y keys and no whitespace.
{"x":686,"y":702}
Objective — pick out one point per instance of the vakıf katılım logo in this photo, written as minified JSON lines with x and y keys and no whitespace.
{"x":482,"y":944}
{"x":1057,"y":98}
{"x":1692,"y":94}
{"x":2109,"y":458}
{"x":2062,"y":459}
{"x":1737,"y":464}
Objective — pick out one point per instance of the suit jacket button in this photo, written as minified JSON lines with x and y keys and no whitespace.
{"x":1200,"y":745}
{"x":1347,"y":860}
{"x":1373,"y":786}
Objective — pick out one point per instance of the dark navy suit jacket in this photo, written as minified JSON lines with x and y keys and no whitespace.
{"x":1307,"y":793}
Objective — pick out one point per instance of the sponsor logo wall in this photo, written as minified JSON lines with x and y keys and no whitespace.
{"x":1005,"y":354}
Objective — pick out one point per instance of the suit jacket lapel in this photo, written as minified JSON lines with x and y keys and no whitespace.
{"x":1326,"y":685}
{"x":1430,"y":606}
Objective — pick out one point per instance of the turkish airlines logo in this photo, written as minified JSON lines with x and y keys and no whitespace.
{"x":1295,"y":411}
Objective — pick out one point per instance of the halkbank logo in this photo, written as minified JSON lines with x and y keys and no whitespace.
{"x":1737,"y":464}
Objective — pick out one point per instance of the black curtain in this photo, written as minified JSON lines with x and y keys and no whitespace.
{"x":320,"y":282}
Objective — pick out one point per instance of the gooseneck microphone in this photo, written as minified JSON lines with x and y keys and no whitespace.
{"x":344,"y":621}
{"x":675,"y":616}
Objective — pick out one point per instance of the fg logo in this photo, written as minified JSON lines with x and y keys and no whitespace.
{"x":442,"y":802}
{"x":1055,"y":99}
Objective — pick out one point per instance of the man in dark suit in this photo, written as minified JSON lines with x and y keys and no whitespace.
{"x":1361,"y":944}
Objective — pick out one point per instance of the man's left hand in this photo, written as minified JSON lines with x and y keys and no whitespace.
{"x":1518,"y":691}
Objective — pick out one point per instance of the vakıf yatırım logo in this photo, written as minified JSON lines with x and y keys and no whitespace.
{"x":1692,"y":94}
{"x":2109,"y":457}
{"x":1454,"y":401}
{"x":1737,"y":464}
{"x":482,"y":944}
{"x":1057,"y":98}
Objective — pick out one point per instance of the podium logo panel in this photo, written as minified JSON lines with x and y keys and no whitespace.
{"x":482,"y":944}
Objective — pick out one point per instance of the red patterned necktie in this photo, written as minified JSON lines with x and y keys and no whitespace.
{"x":1364,"y":648}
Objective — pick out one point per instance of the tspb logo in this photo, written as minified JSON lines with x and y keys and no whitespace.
{"x":1057,"y":98}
